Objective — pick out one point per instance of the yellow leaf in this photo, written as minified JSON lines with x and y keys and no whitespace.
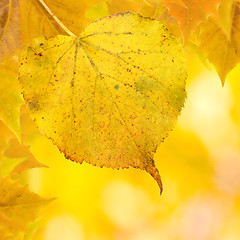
{"x":223,"y":52}
{"x":18,"y":209}
{"x":10,"y":97}
{"x":109,"y":97}
{"x":191,"y":13}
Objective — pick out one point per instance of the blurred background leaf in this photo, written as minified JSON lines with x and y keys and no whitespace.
{"x":199,"y":161}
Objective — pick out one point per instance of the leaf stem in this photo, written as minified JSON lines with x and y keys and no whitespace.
{"x":57,"y":19}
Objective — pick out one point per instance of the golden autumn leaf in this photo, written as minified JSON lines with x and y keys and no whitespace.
{"x":192,"y":13}
{"x":109,"y":97}
{"x":18,"y":209}
{"x":10,"y":97}
{"x":222,"y":50}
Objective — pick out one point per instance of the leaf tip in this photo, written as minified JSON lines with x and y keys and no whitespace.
{"x":222,"y":78}
{"x":153,"y":171}
{"x":223,"y":81}
{"x":222,"y":73}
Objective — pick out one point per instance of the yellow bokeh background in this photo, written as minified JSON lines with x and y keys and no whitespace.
{"x":199,"y":163}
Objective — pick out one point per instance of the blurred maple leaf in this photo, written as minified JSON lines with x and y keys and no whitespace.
{"x":219,"y":24}
{"x":159,"y":12}
{"x":18,"y":209}
{"x":191,"y":13}
{"x":14,"y":157}
{"x":17,"y":150}
{"x":222,"y":45}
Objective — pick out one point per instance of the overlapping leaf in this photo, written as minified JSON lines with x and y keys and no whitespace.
{"x":23,"y":20}
{"x":20,"y":22}
{"x":110,"y":96}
